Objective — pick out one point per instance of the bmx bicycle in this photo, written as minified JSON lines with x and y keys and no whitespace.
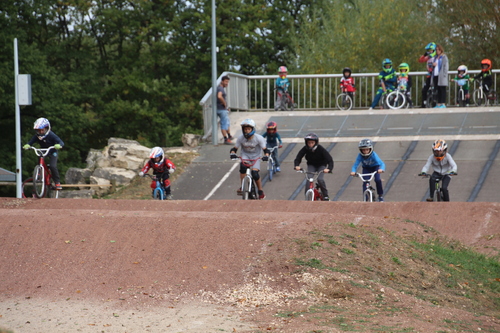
{"x":461,"y":97}
{"x":481,"y":98}
{"x":368,"y":190}
{"x":159,"y":192}
{"x":284,"y":101}
{"x":248,"y":185}
{"x":271,"y":163}
{"x":438,"y":191}
{"x":41,"y":184}
{"x":431,"y":100}
{"x":313,"y":193}
{"x":344,"y":99}
{"x":396,"y":99}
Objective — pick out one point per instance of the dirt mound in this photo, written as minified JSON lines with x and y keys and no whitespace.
{"x":254,"y":257}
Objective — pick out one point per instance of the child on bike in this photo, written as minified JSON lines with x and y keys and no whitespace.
{"x":443,"y":166}
{"x":428,"y":58}
{"x":46,"y":138}
{"x":370,"y":162}
{"x":405,"y":82}
{"x":282,"y":84}
{"x":162,"y":168}
{"x":485,"y":76}
{"x":347,"y":83}
{"x":273,"y":139}
{"x":252,"y":145}
{"x":388,"y":80}
{"x":462,"y":75}
{"x":318,"y":159}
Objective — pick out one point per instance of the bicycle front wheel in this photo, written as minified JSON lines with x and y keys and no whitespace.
{"x":396,"y":100}
{"x":367,"y":196}
{"x":270,"y":168}
{"x":39,"y":182}
{"x":246,"y":187}
{"x":344,"y":102}
{"x":479,"y":97}
{"x":310,"y":195}
{"x":158,"y":194}
{"x":438,"y":195}
{"x":430,"y":100}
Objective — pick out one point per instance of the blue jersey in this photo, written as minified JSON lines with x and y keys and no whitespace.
{"x":272,"y":139}
{"x":368,"y":162}
{"x":282,"y":84}
{"x":390,"y":78}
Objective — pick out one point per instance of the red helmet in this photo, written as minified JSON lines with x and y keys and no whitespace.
{"x":486,"y":62}
{"x":272,"y":126}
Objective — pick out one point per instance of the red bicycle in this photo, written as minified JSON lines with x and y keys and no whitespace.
{"x":314,"y":192}
{"x":41,"y":185}
{"x":284,"y":101}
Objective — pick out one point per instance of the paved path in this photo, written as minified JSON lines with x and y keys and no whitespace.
{"x":403,"y":140}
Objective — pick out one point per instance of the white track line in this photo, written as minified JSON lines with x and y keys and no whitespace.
{"x":221,"y":181}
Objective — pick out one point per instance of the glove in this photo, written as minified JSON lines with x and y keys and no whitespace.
{"x":26,"y":147}
{"x":171,"y":170}
{"x":280,"y":146}
{"x":265,"y":158}
{"x":57,"y":146}
{"x":422,"y":174}
{"x":141,"y":174}
{"x":233,"y":156}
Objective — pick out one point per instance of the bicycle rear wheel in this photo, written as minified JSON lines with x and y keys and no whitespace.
{"x":51,"y":190}
{"x":431,"y":102}
{"x":39,"y":182}
{"x":344,"y":102}
{"x":28,"y":189}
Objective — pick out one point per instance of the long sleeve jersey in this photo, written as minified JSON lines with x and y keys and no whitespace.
{"x":282,"y":84}
{"x":347,"y":84}
{"x":49,"y":140}
{"x":368,"y":162}
{"x":158,"y":169}
{"x":390,"y":78}
{"x":443,"y":167}
{"x":272,"y":139}
{"x":319,"y":157}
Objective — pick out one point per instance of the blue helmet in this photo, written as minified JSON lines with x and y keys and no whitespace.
{"x":42,"y":128}
{"x":156,"y":152}
{"x":387,"y":61}
{"x":431,"y":49}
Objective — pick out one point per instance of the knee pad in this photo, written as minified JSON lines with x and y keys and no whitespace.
{"x":166,"y":182}
{"x":255,"y":175}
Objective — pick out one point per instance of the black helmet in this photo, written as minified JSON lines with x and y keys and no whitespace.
{"x":365,"y":143}
{"x":347,"y":69}
{"x":312,"y":137}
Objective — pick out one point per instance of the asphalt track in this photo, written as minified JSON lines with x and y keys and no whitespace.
{"x":402,"y":139}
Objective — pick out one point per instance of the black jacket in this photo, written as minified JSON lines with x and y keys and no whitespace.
{"x":320,"y":156}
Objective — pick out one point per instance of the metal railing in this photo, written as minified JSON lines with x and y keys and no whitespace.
{"x":312,"y":92}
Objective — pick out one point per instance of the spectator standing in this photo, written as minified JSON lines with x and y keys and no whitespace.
{"x":223,"y":110}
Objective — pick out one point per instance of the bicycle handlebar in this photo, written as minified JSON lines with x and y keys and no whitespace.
{"x":41,"y":152}
{"x":272,"y":149}
{"x":426,"y":175}
{"x":246,"y":162}
{"x":361,"y":175}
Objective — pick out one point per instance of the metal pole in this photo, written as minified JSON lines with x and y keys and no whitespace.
{"x":215,"y":134}
{"x":18,"y":127}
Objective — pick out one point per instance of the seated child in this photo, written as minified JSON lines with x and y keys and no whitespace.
{"x":443,"y":165}
{"x":462,"y":79}
{"x":405,"y":82}
{"x":318,"y":159}
{"x":273,"y":139}
{"x":387,"y":79}
{"x":486,"y":76}
{"x":347,"y":83}
{"x":370,"y":162}
{"x":162,"y":168}
{"x":46,"y":138}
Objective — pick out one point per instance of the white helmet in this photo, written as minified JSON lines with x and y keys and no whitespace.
{"x":248,"y":123}
{"x":42,"y":127}
{"x":155,"y":153}
{"x":462,"y":68}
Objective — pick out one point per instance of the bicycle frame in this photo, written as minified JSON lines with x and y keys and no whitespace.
{"x":159,"y":191}
{"x":431,"y":99}
{"x":285,"y":101}
{"x":248,"y":184}
{"x":42,"y":178}
{"x":461,"y":93}
{"x":313,"y":193}
{"x":438,"y":192}
{"x":271,"y":164}
{"x":368,"y":189}
{"x":481,"y":98}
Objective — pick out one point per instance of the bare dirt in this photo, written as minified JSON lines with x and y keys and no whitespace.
{"x":72,"y":265}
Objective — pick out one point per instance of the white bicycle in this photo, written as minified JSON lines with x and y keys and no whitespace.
{"x":368,"y":192}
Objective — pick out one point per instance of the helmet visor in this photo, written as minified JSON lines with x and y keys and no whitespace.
{"x":438,"y":153}
{"x":41,"y":131}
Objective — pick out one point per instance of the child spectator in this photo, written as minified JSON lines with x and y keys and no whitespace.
{"x":370,"y":162}
{"x":428,"y":58}
{"x":464,"y":77}
{"x":443,"y":165}
{"x":46,"y":138}
{"x":273,"y":139}
{"x":282,"y":84}
{"x":162,"y":168}
{"x":318,"y":159}
{"x":387,"y":78}
{"x":252,"y":145}
{"x":405,"y":82}
{"x":485,"y":76}
{"x":347,"y":83}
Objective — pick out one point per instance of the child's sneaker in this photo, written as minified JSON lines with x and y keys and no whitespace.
{"x":261,"y":195}
{"x":429,"y":199}
{"x":227,"y":141}
{"x":278,"y":169}
{"x":58,"y":187}
{"x":239,"y":191}
{"x":380,"y":199}
{"x":229,"y":136}
{"x":169,"y":197}
{"x":326,"y":199}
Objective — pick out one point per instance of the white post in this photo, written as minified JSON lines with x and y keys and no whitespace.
{"x":19,"y":179}
{"x":215,"y":134}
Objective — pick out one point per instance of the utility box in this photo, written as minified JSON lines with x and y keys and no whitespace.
{"x":24,"y":89}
